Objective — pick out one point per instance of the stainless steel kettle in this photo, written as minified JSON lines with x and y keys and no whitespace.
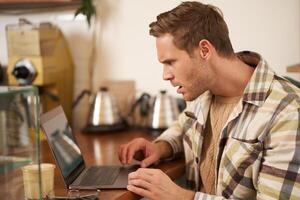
{"x":156,"y":113}
{"x":163,"y":111}
{"x":103,"y":112}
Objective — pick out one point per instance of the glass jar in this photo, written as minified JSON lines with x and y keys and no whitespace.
{"x":19,"y":137}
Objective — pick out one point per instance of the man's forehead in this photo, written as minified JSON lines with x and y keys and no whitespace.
{"x":165,"y":47}
{"x":166,"y":39}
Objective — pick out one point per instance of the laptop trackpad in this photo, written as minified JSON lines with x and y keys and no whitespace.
{"x":122,"y":180}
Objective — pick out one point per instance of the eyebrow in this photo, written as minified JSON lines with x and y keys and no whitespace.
{"x":167,"y":61}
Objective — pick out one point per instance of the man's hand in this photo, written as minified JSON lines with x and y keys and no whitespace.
{"x":140,"y":149}
{"x":154,"y":184}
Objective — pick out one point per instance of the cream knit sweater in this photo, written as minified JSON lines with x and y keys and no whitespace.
{"x":220,"y":109}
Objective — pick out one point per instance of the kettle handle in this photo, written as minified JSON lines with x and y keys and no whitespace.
{"x":144,"y":101}
{"x":79,"y":97}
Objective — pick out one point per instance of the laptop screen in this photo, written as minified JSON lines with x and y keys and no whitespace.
{"x":61,"y":140}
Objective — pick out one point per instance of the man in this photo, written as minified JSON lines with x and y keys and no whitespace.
{"x":240,"y":131}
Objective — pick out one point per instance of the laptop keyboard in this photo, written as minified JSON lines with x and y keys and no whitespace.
{"x":104,"y":175}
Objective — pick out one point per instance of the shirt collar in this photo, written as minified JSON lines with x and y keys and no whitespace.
{"x":260,"y":82}
{"x":198,"y":109}
{"x":255,"y":92}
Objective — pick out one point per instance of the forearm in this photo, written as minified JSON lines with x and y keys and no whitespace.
{"x":165,"y":149}
{"x":172,"y":138}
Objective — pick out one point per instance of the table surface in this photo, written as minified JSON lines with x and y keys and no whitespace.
{"x":101,"y":149}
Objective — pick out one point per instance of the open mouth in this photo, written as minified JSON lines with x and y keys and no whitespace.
{"x":179,"y":89}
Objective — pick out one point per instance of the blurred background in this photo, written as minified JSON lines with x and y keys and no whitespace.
{"x":117,"y":45}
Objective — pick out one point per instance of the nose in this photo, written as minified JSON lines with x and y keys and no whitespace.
{"x":167,"y":75}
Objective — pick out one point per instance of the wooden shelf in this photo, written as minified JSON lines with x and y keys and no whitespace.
{"x":293,"y":68}
{"x":35,"y":1}
{"x":36,"y":4}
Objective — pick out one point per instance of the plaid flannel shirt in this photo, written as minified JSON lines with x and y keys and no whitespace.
{"x":258,"y":155}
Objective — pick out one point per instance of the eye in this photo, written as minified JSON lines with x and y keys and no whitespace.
{"x":170,"y":62}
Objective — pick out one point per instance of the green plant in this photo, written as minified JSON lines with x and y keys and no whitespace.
{"x":88,"y":9}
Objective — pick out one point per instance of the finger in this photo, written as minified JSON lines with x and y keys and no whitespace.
{"x":148,"y":161}
{"x":149,"y":171}
{"x":131,"y":151}
{"x":140,"y":191}
{"x":139,"y":174}
{"x":120,"y":153}
{"x":140,"y":183}
{"x":124,"y":153}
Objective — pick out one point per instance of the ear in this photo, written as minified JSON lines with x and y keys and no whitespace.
{"x":205,"y":48}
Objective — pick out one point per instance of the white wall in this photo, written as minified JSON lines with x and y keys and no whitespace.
{"x":126,"y":51}
{"x":270,"y":27}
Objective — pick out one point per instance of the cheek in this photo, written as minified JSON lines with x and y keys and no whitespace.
{"x":199,"y":82}
{"x":189,"y":74}
{"x":194,"y":77}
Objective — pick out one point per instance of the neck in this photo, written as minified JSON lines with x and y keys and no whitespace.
{"x":231,"y":76}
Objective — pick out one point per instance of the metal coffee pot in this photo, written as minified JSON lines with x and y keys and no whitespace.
{"x":156,"y":112}
{"x":103,"y":113}
{"x":163,"y":111}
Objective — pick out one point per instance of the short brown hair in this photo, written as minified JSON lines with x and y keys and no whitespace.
{"x":191,"y":22}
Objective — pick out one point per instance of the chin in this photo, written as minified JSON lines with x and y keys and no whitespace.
{"x":188,"y":97}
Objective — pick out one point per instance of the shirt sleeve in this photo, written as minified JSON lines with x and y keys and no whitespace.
{"x":174,"y":135}
{"x":201,"y":195}
{"x":279,"y":175}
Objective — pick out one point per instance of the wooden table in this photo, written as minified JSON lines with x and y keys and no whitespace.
{"x":101,"y":149}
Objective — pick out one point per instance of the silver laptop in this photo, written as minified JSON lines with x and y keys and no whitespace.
{"x":70,"y":161}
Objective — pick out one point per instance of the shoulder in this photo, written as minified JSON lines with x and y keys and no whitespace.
{"x":284,"y":95}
